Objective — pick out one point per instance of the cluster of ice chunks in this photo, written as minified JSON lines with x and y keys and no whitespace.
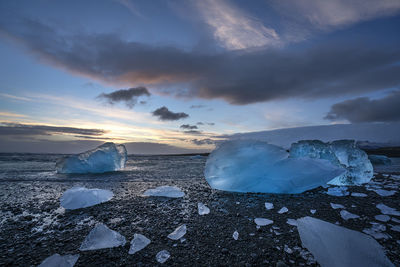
{"x":333,"y":245}
{"x":343,"y":153}
{"x":255,"y":166}
{"x":380,"y":160}
{"x":81,"y":197}
{"x":105,"y":158}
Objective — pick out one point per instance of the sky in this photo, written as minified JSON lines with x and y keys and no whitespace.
{"x":177,"y":76}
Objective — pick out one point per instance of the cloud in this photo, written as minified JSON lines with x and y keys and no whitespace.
{"x":129,"y":96}
{"x":165,"y":114}
{"x":235,"y":29}
{"x":193,"y":132}
{"x":311,"y":72}
{"x":206,"y":123}
{"x":364,"y":109}
{"x":149,"y":148}
{"x":197,"y":106}
{"x":188,"y":127}
{"x":17,"y":129}
{"x":206,"y":141}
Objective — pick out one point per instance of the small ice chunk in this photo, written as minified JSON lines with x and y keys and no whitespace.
{"x":385,"y":193}
{"x":382,"y":218}
{"x":395,"y":228}
{"x":105,"y":158}
{"x":347,"y":215}
{"x":138,"y":243}
{"x":333,"y":245}
{"x":283,"y":210}
{"x":163,"y":256}
{"x":355,"y":194}
{"x":313,"y":211}
{"x":235,"y":235}
{"x":269,"y":206}
{"x":396,"y":220}
{"x":56,"y":260}
{"x":376,"y":231}
{"x":262,"y":221}
{"x":288,"y":250}
{"x":81,"y":197}
{"x":336,"y":206}
{"x":164,"y":191}
{"x":203,"y":209}
{"x":388,"y":210}
{"x":338,"y":191}
{"x":102,"y":237}
{"x":292,"y":222}
{"x":178,"y":232}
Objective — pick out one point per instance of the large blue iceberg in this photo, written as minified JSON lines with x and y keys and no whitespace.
{"x":255,"y":166}
{"x":105,"y":158}
{"x":343,"y":153}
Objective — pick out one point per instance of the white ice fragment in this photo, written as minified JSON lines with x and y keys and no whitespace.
{"x":338,"y":191}
{"x":396,"y":220}
{"x":102,"y":237}
{"x":347,"y":215}
{"x":388,"y":210}
{"x":292,"y":222}
{"x":376,"y":231}
{"x":336,"y":206}
{"x":288,"y":250}
{"x":235,"y":235}
{"x":313,"y":211}
{"x":382,"y":218}
{"x":164,"y":191}
{"x":355,"y":194}
{"x":385,"y":193}
{"x":255,"y":166}
{"x":163,"y":256}
{"x":203,"y":209}
{"x":138,"y":243}
{"x":283,"y":210}
{"x":333,"y":245}
{"x":178,"y":232}
{"x":56,"y":260}
{"x":262,"y":221}
{"x":81,"y":197}
{"x":269,"y":206}
{"x":105,"y":158}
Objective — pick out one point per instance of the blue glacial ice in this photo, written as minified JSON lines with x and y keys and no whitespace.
{"x":106,"y":158}
{"x":164,"y":191}
{"x":138,"y":243}
{"x":333,"y":245}
{"x":102,"y":237}
{"x":81,"y":197}
{"x":60,"y":261}
{"x":342,"y":153}
{"x":255,"y":166}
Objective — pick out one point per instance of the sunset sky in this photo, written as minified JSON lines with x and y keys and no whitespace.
{"x":175,"y":76}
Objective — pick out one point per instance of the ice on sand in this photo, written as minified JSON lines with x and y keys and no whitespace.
{"x":382,"y":218}
{"x":292,"y":222}
{"x":164,"y":191}
{"x":384,"y":193}
{"x":348,"y":215}
{"x":376,"y":231}
{"x":81,"y":197}
{"x":355,"y":194}
{"x":163,"y":256}
{"x":336,"y":206}
{"x":102,"y":237}
{"x":338,"y":191}
{"x":333,"y":245}
{"x":255,"y":166}
{"x":57,"y":260}
{"x":313,"y":211}
{"x":138,"y":243}
{"x":387,"y":210}
{"x":343,"y":153}
{"x":178,"y":232}
{"x":262,"y":221}
{"x":269,"y":206}
{"x":203,"y":209}
{"x":283,"y":210}
{"x":235,"y":235}
{"x":105,"y":158}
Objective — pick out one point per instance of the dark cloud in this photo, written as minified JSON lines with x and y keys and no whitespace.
{"x":193,"y":132}
{"x":201,"y":142}
{"x":165,"y":114}
{"x":129,"y":96}
{"x":197,"y":106}
{"x":239,"y":77}
{"x":364,"y":109}
{"x":158,"y":148}
{"x":206,"y":123}
{"x":16,"y":129}
{"x":188,"y":127}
